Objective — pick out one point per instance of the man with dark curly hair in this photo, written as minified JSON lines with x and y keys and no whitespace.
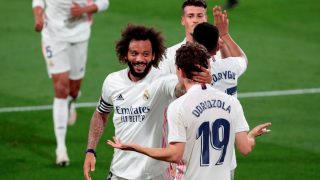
{"x":138,"y":96}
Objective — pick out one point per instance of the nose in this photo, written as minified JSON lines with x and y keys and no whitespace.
{"x":140,"y":58}
{"x":195,"y":20}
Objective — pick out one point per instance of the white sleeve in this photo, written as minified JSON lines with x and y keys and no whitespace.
{"x":167,"y":85}
{"x":105,"y":103}
{"x":167,"y":65}
{"x":163,"y":65}
{"x":177,"y":129}
{"x":218,"y":55}
{"x":36,"y":3}
{"x":106,"y":92}
{"x":241,"y":123}
{"x":102,"y":4}
{"x":241,"y":65}
{"x":238,"y":64}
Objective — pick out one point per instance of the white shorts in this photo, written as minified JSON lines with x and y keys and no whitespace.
{"x":65,"y":57}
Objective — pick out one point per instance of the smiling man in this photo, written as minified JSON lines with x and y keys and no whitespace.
{"x":138,"y":95}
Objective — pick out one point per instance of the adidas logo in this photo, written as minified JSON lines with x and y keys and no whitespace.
{"x":120,"y":97}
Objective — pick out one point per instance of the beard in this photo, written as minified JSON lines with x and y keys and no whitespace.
{"x":138,"y":74}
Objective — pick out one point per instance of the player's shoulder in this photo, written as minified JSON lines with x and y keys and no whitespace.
{"x":222,"y":95}
{"x":116,"y":76}
{"x":117,"y":73}
{"x":160,"y":78}
{"x":178,"y":103}
{"x":156,"y":73}
{"x":229,"y":63}
{"x":229,"y":60}
{"x":176,"y":46}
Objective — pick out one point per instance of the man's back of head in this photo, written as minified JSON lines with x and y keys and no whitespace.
{"x":207,"y":35}
{"x":190,"y":56}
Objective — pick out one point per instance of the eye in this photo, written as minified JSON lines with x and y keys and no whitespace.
{"x":146,"y":54}
{"x":190,"y":15}
{"x":133,"y":53}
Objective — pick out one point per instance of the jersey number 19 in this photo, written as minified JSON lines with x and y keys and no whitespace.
{"x":211,"y":137}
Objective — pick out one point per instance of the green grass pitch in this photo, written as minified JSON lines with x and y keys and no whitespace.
{"x":280,"y":38}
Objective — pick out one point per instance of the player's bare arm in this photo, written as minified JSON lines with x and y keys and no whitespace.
{"x":38,"y":18}
{"x":221,"y":21}
{"x":77,"y":10}
{"x":246,"y":141}
{"x":173,"y":153}
{"x":97,"y":125}
{"x":223,"y":48}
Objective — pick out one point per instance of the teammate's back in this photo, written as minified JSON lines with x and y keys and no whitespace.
{"x":210,"y":119}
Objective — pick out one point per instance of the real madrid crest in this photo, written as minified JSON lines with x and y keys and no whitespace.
{"x":146,"y":95}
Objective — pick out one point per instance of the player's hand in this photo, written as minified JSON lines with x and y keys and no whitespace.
{"x":260,"y":130}
{"x":76,"y":10}
{"x":221,"y":20}
{"x":38,"y":19}
{"x":202,"y":77}
{"x":89,"y":165}
{"x":116,"y":143}
{"x":38,"y":25}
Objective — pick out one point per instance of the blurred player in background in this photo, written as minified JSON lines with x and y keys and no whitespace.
{"x":65,"y":27}
{"x":231,"y":4}
{"x":203,"y":124}
{"x":138,"y":96}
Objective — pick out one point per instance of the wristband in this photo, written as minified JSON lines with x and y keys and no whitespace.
{"x":91,"y":151}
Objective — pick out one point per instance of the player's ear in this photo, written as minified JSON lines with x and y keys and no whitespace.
{"x":180,"y":73}
{"x":183,"y":21}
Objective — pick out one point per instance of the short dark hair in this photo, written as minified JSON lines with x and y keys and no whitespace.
{"x":139,"y":32}
{"x":197,"y":3}
{"x":190,"y":55}
{"x":207,"y":35}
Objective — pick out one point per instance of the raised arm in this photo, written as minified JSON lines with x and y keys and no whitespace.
{"x":245,"y":141}
{"x":97,"y":125}
{"x":221,"y":21}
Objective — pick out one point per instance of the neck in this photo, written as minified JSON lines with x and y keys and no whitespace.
{"x":189,"y":37}
{"x":189,"y":83}
{"x":133,"y":78}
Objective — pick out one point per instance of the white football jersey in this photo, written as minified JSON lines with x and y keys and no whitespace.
{"x":225,"y":73}
{"x":138,"y":118}
{"x":168,"y":64}
{"x":206,"y":120}
{"x":60,"y":25}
